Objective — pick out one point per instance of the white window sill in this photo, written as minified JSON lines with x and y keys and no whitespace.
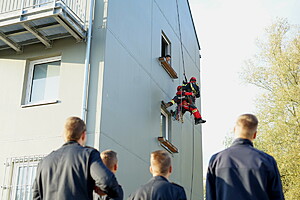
{"x":40,"y":103}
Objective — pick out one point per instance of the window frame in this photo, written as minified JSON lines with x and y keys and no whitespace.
{"x":165,"y":39}
{"x":166,"y":49}
{"x":12,"y":174}
{"x":167,"y":132}
{"x":30,"y":81}
{"x":25,"y":185}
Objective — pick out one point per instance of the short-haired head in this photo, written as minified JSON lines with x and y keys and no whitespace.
{"x":110,"y":160}
{"x":246,"y":126}
{"x":160,"y":162}
{"x":74,"y":128}
{"x":168,"y":56}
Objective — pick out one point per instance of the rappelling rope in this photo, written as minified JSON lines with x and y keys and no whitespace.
{"x":180,"y":37}
{"x":183,"y":66}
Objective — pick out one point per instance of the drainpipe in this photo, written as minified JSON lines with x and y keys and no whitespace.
{"x":87,"y":63}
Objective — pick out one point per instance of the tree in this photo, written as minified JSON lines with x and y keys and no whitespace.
{"x":229,"y":138}
{"x":276,"y":70}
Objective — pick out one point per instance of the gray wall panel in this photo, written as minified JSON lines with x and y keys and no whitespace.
{"x":130,"y":22}
{"x":127,"y":84}
{"x":135,"y":83}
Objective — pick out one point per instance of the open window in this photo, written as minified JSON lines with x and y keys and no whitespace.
{"x":165,"y":45}
{"x":165,"y":132}
{"x":43,"y":81}
{"x":165,"y":57}
{"x":165,"y":124}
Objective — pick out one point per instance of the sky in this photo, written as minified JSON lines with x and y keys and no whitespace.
{"x":227,"y":31}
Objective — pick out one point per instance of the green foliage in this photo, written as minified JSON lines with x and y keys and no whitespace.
{"x":229,"y":138}
{"x":276,"y":70}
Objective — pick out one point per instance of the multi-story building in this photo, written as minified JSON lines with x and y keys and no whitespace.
{"x":98,"y":60}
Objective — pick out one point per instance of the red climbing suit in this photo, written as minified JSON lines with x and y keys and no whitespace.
{"x":183,"y":105}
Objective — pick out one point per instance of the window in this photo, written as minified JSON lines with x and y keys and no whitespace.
{"x":24,"y":181}
{"x":165,"y":45}
{"x":165,"y":129}
{"x":43,"y":80}
{"x":165,"y":124}
{"x":19,"y":176}
{"x":164,"y":59}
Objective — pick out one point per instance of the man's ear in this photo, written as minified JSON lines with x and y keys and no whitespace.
{"x":254,"y":135}
{"x":115,"y":167}
{"x":150,"y":169}
{"x":83,"y":136}
{"x":170,"y":169}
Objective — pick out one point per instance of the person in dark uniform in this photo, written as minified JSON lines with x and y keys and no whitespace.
{"x":159,"y":187}
{"x":72,"y":171}
{"x":110,"y":160}
{"x":241,"y":171}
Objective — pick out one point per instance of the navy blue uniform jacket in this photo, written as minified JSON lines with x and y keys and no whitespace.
{"x":71,"y":172}
{"x":243,"y":172}
{"x":159,"y":188}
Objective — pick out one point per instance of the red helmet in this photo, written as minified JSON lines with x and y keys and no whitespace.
{"x":193,"y":79}
{"x":179,"y":87}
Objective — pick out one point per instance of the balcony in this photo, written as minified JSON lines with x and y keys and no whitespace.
{"x":25,"y":22}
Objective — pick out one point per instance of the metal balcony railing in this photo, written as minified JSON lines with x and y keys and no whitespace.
{"x":24,"y":22}
{"x":78,"y":7}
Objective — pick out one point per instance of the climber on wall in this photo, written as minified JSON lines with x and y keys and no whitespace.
{"x":193,"y":87}
{"x":183,"y":104}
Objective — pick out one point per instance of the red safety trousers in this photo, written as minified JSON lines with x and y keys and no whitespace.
{"x":191,"y":108}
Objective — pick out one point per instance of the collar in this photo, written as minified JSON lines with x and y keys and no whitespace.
{"x":160,"y":178}
{"x":71,"y":142}
{"x":241,"y":141}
